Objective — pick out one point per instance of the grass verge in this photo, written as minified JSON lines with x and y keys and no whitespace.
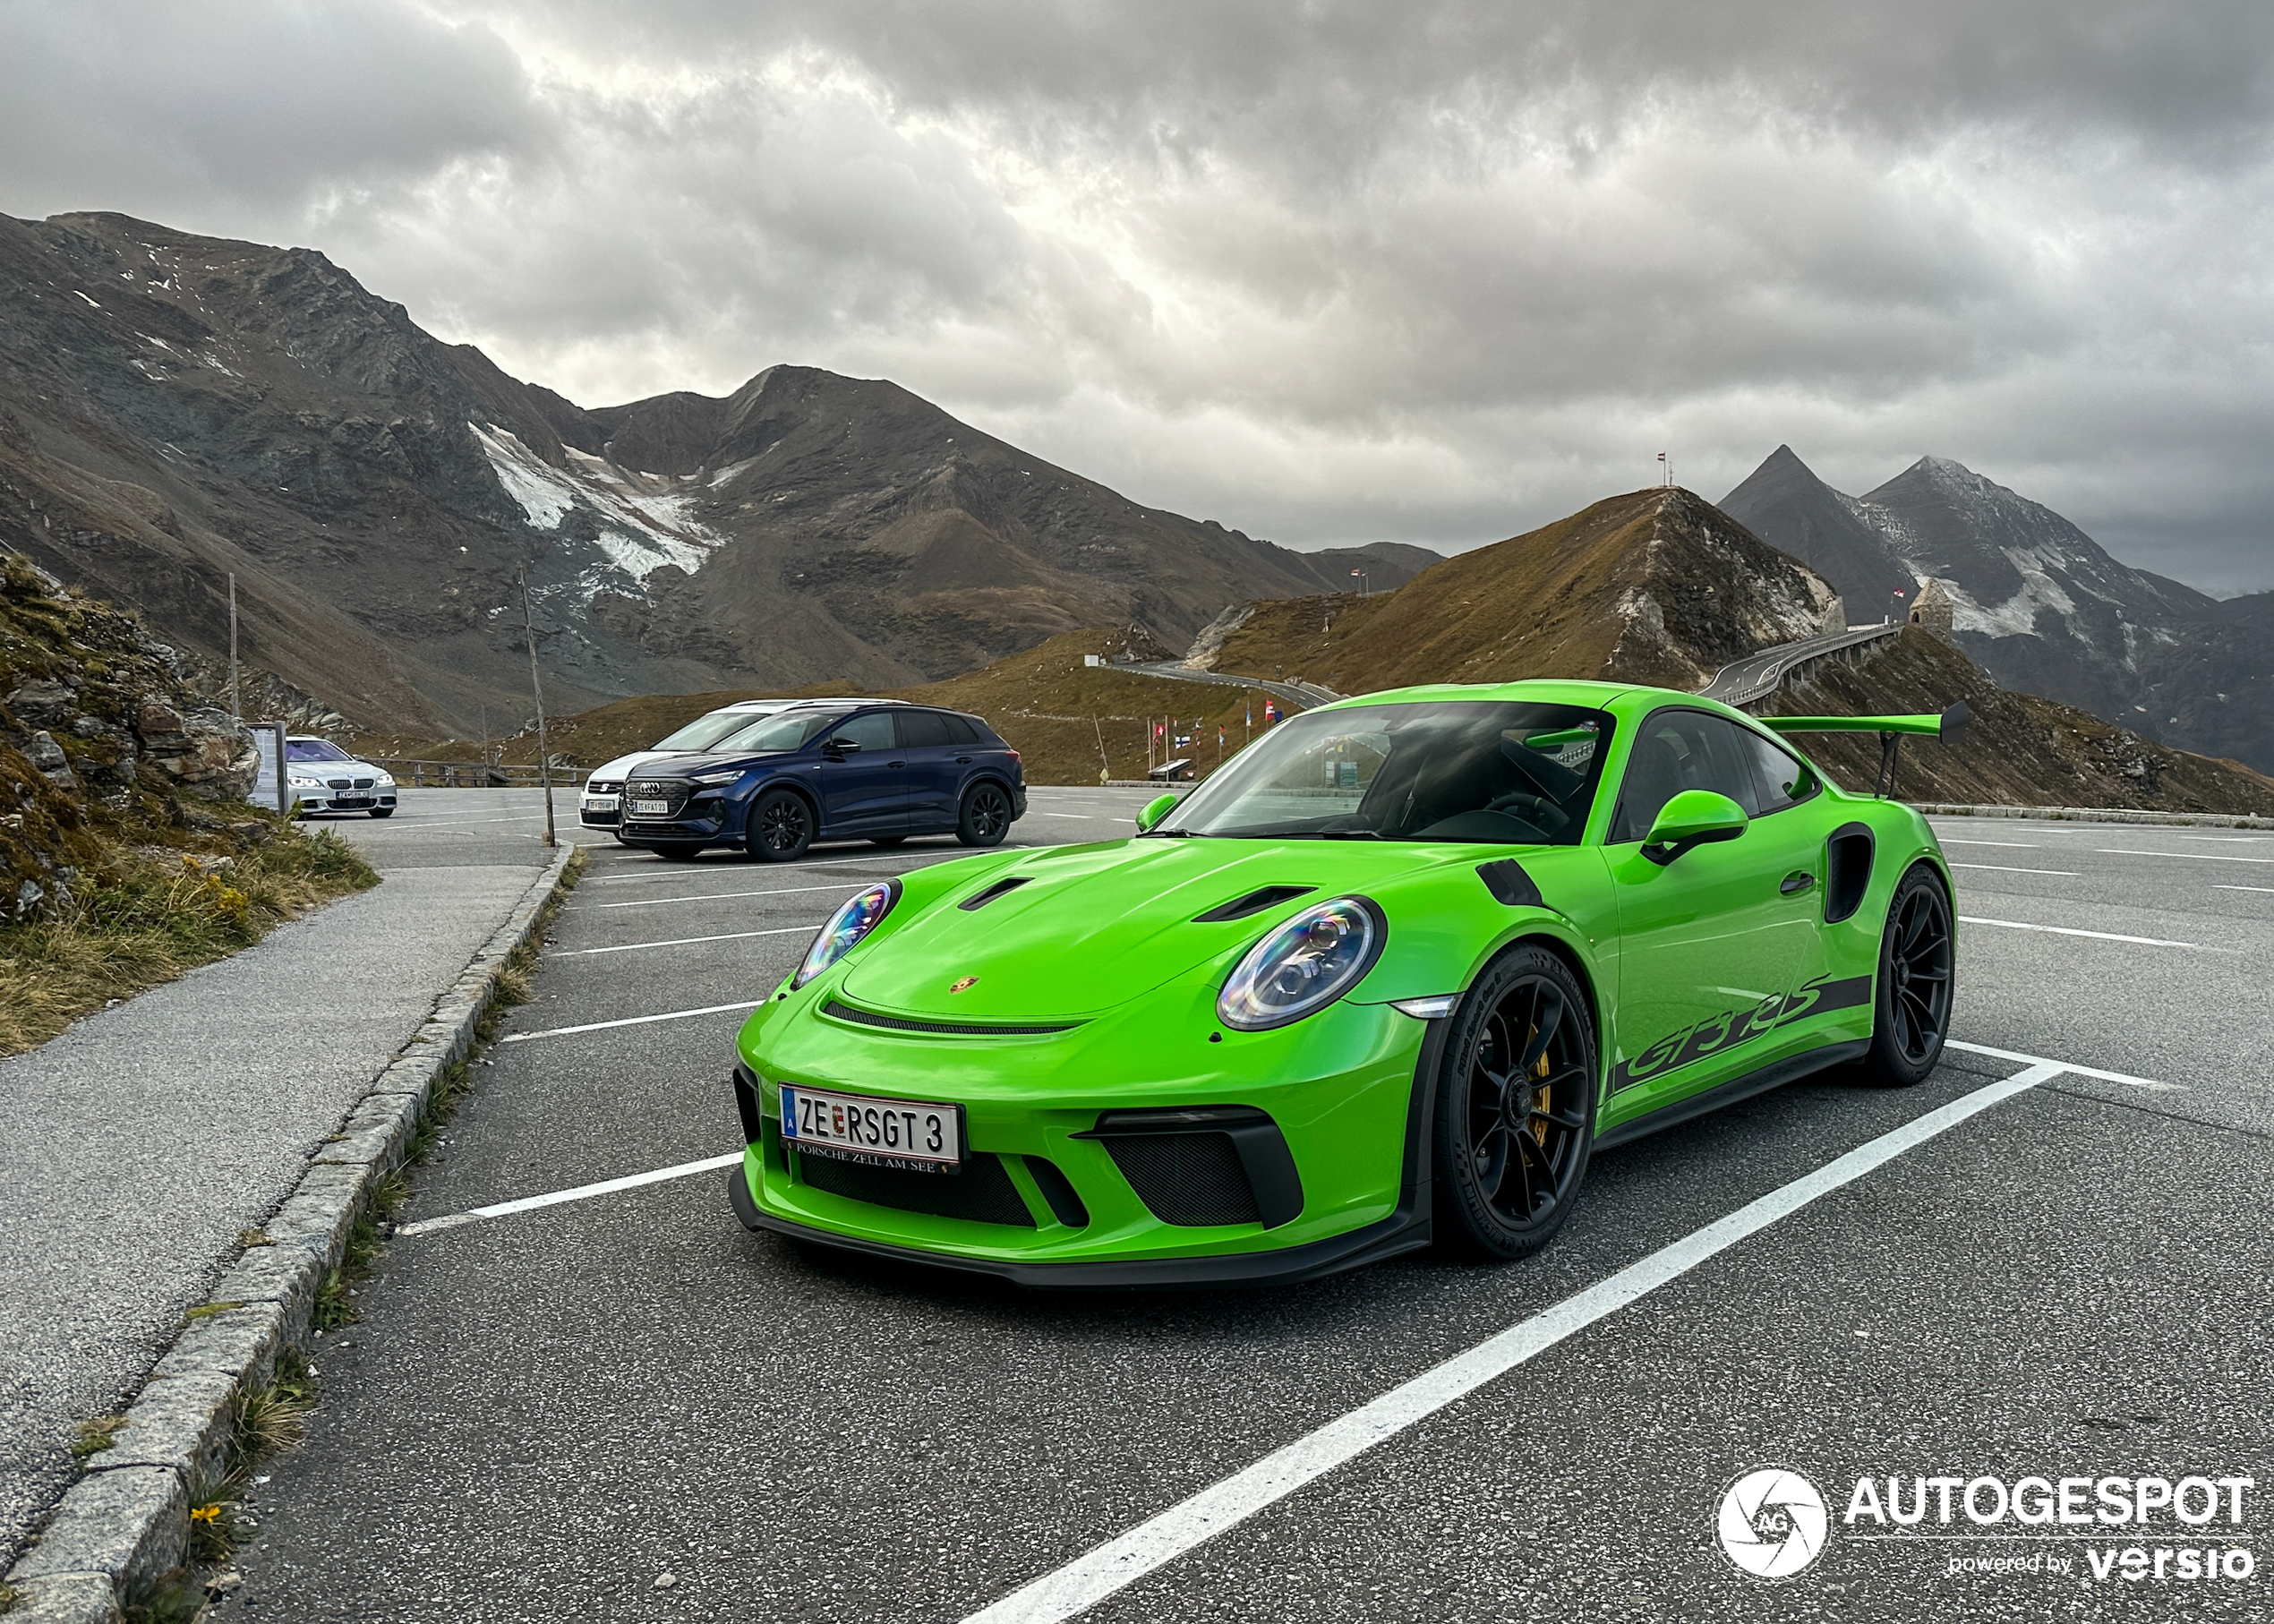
{"x":156,"y":913}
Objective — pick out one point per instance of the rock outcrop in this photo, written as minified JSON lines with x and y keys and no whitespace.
{"x":98,"y":732}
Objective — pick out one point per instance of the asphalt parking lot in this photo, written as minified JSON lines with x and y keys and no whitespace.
{"x":621,"y":1405}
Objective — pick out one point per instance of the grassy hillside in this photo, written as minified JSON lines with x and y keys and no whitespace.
{"x":1657,"y":586}
{"x":1069,"y":721}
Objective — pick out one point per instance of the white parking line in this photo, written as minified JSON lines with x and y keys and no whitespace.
{"x":530,"y":1203}
{"x":466,"y":823}
{"x":2125,"y":1077}
{"x":1952,"y":840}
{"x":2193,"y":857}
{"x":731,"y":936}
{"x":1089,"y":1579}
{"x":599,"y":1026}
{"x":1083,"y":818}
{"x":2097,"y":935}
{"x":2067,"y":873}
{"x":716,"y":896}
{"x":2217,"y":887}
{"x":675,"y":873}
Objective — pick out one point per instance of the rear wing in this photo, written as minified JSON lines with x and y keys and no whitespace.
{"x":1949,"y":727}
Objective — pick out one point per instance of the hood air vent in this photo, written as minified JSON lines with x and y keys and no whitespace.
{"x":979,"y":899}
{"x":1254,"y":902}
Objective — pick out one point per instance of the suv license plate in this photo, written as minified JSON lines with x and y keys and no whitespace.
{"x":652,"y":808}
{"x":904,"y":1132}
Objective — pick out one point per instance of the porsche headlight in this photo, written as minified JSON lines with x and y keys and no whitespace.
{"x":856,"y":919}
{"x":1304,"y":965}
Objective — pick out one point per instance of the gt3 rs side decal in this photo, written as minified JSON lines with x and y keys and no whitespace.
{"x":1732,"y":1026}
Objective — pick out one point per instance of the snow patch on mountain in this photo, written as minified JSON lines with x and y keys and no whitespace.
{"x":639,"y":522}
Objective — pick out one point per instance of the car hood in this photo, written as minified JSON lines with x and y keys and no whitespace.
{"x":321,"y":770}
{"x":623,"y":765}
{"x":1093,"y":927}
{"x":706,"y":761}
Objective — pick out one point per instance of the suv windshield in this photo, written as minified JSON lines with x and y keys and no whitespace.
{"x":706,"y":730}
{"x":786,"y":731}
{"x":314,"y":749}
{"x":1488,"y":771}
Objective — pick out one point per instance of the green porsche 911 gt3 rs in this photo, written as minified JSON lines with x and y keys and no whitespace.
{"x":1390,"y":977}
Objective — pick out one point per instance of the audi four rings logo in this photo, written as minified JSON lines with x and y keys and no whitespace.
{"x":1773,"y":1523}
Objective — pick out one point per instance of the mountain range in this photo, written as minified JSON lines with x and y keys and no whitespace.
{"x":2041,"y":605}
{"x":175,"y":410}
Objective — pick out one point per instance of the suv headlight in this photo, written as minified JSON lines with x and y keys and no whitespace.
{"x":716,"y":778}
{"x":854,"y":919}
{"x":1304,"y":965}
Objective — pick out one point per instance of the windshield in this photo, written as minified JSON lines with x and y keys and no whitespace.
{"x":786,"y":731}
{"x":706,"y":730}
{"x":314,"y":749}
{"x":1487,"y":771}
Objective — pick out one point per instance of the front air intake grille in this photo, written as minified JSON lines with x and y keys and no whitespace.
{"x":365,"y":784}
{"x":603,"y":786}
{"x":954,"y":1029}
{"x":1189,"y":1179}
{"x":981,"y":1194}
{"x":672,"y":792}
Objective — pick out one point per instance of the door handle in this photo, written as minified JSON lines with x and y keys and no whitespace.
{"x":896,"y":764}
{"x":963,"y":761}
{"x":1795,"y":882}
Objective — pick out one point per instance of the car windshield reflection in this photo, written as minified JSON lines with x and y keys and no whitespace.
{"x":1474,"y":772}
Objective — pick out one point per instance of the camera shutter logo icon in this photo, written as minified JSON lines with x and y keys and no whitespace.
{"x":1773,"y":1523}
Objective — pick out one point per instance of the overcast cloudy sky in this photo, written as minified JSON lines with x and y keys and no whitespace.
{"x":1327,"y":272}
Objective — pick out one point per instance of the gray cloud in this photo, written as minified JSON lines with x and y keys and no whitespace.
{"x":1329,"y":272}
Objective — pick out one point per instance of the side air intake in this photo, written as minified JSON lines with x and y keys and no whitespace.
{"x":1847,"y":868}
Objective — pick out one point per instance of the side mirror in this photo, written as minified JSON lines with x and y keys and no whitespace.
{"x":1695,"y":817}
{"x":837,"y":749}
{"x":1155,"y":810}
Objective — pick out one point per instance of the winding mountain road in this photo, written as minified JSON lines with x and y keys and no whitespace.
{"x":1757,"y":676}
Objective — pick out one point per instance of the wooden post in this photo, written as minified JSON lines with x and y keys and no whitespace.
{"x":536,"y":687}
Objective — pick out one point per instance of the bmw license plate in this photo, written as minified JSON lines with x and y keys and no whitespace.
{"x":651,"y":809}
{"x":897,"y":1133}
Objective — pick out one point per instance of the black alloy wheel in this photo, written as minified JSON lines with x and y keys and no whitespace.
{"x":1910,"y":1014}
{"x":985,"y":817}
{"x":1516,"y":1106}
{"x":781,"y":826}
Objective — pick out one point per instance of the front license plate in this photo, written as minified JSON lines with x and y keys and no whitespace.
{"x":905,"y":1133}
{"x":600,"y":803}
{"x":652,"y":808}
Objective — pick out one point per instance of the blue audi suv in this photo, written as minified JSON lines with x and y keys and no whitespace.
{"x":829,"y":772}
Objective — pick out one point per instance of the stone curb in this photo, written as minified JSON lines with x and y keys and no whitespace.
{"x":2099,"y":815}
{"x":125,"y":1523}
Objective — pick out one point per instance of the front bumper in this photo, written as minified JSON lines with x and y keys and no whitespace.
{"x":1348,"y":1092}
{"x":345,"y":801}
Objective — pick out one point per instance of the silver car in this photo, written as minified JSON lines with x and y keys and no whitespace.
{"x":324,"y":778}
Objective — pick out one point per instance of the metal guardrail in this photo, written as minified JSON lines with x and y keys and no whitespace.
{"x":475,"y":775}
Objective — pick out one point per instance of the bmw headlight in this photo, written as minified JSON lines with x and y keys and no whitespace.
{"x":1304,"y":965}
{"x":856,"y":919}
{"x":299,"y":782}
